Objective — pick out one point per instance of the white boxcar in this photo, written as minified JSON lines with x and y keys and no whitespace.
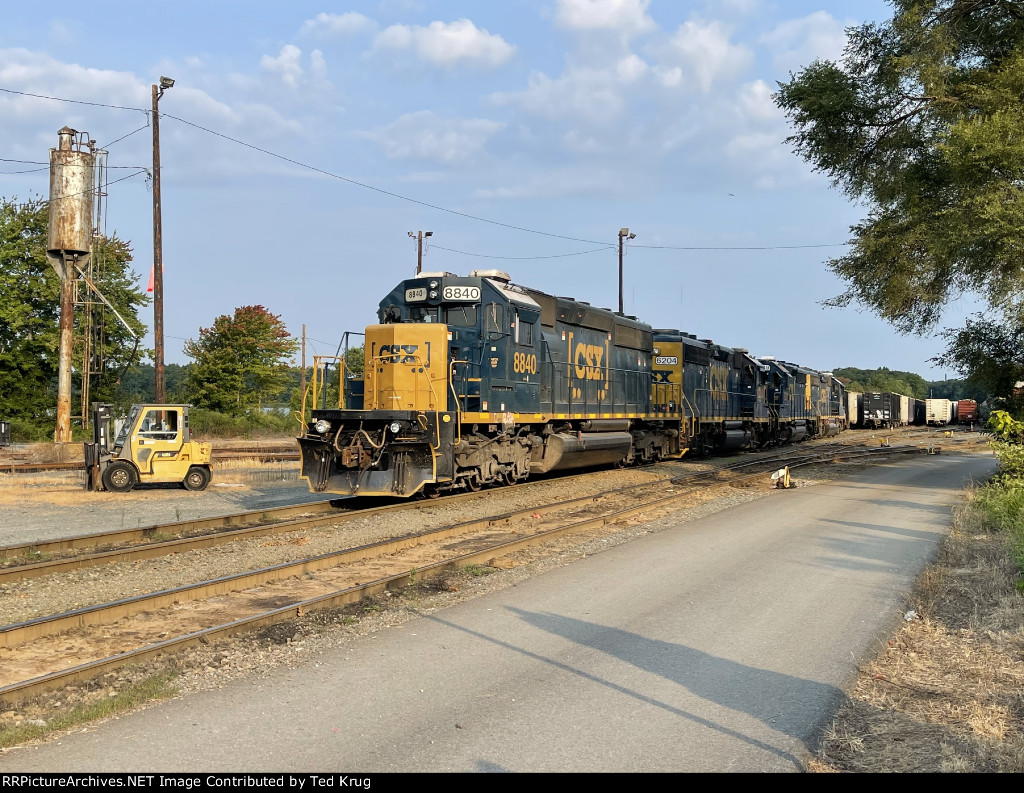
{"x":853,"y":408}
{"x":938,"y":411}
{"x":906,"y":410}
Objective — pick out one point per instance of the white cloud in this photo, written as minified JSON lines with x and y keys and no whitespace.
{"x":347,"y":24}
{"x":631,"y":68}
{"x":30,"y":124}
{"x":562,"y":182}
{"x":579,"y":93}
{"x":446,"y":44}
{"x":425,"y":135}
{"x":704,"y":53}
{"x":755,"y":101}
{"x":287,"y":64}
{"x":797,"y":42}
{"x":627,"y":16}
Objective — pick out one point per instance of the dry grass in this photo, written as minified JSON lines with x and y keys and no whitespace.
{"x":947,"y":692}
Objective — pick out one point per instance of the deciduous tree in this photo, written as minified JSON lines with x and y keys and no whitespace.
{"x":241,"y":361}
{"x":922,"y":121}
{"x":30,"y":314}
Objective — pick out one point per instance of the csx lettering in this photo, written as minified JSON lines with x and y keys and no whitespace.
{"x":524,"y":364}
{"x":659,"y":376}
{"x":719,"y":381}
{"x":588,"y":362}
{"x":398,"y":353}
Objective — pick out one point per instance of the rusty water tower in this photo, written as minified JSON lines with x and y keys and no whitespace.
{"x":69,"y":245}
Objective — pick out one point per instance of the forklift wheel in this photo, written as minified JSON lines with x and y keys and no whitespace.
{"x":196,"y":479}
{"x":119,"y":477}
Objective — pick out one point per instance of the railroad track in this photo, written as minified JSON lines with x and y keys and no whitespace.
{"x":39,"y":558}
{"x":56,"y":650}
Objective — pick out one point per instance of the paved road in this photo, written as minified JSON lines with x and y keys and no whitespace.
{"x":716,"y":645}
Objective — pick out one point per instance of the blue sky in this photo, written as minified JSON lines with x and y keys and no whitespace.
{"x":569,"y":117}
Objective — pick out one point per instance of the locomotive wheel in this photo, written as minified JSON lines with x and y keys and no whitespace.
{"x":473,"y":483}
{"x":197,"y":478}
{"x":119,"y":477}
{"x":508,"y":476}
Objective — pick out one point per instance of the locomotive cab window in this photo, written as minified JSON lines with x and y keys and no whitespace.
{"x":494,"y":320}
{"x":523,"y":330}
{"x":461,"y":316}
{"x":423,"y":314}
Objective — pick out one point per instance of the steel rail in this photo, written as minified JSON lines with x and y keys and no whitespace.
{"x":18,"y":692}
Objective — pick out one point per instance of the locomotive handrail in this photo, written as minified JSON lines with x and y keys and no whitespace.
{"x":315,"y":386}
{"x":458,"y":406}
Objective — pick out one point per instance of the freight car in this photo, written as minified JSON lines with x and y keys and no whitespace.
{"x":966,"y":411}
{"x":474,"y":381}
{"x":938,"y":412}
{"x":854,"y":408}
{"x":882,"y":410}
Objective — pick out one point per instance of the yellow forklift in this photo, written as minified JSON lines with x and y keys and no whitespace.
{"x":154,"y":444}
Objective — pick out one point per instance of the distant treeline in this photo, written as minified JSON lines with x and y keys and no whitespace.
{"x":907,"y":383}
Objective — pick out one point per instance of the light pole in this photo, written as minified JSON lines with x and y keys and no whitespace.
{"x":418,"y":236}
{"x":158,"y":255}
{"x":623,"y":234}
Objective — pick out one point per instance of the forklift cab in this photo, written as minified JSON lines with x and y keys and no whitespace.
{"x":152,"y":445}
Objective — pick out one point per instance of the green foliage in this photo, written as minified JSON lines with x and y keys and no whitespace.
{"x":113,"y":347}
{"x":1006,"y":428}
{"x":1002,"y":507}
{"x":138,"y":384}
{"x":239,"y":361}
{"x":883,"y":379}
{"x":30,"y":315}
{"x":208,"y":424}
{"x":991,"y":351}
{"x":921,"y":121}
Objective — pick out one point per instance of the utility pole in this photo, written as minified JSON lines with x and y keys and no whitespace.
{"x":418,"y":236}
{"x":623,"y":234}
{"x":303,"y":387}
{"x":158,"y":250}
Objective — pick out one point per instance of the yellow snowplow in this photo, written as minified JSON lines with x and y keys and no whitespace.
{"x":154,"y":444}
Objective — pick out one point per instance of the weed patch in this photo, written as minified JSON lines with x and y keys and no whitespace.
{"x":157,"y":687}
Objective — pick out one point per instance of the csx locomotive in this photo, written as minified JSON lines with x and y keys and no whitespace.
{"x":474,"y":381}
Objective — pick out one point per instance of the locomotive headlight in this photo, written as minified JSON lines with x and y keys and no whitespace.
{"x":433,"y":293}
{"x":433,"y":284}
{"x":322,"y":426}
{"x":395,"y":427}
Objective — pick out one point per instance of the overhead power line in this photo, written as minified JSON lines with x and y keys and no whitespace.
{"x":416,"y":201}
{"x":72,"y":101}
{"x":521,"y":258}
{"x":738,"y":247}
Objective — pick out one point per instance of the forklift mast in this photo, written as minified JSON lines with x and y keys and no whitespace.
{"x":98,"y":452}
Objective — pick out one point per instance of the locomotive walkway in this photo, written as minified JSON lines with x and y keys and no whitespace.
{"x":719,"y":645}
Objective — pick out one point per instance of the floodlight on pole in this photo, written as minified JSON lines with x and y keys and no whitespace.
{"x":418,"y":236}
{"x":623,"y":234}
